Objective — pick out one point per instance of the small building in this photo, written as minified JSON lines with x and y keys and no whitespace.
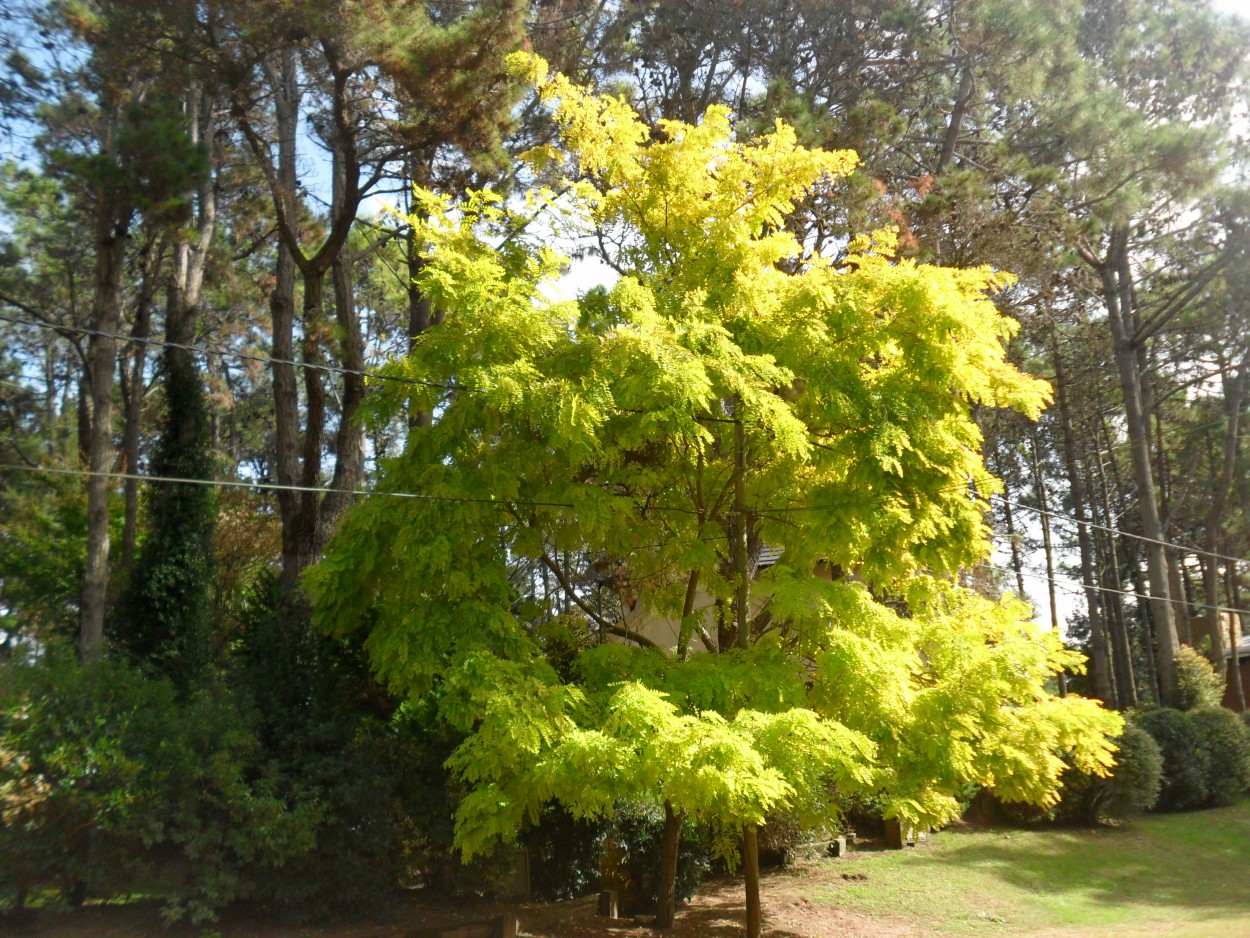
{"x":1243,"y":656}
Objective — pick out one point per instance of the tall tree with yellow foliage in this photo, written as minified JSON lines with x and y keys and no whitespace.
{"x":731,"y":386}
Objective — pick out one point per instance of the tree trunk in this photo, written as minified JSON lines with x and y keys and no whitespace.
{"x":1017,"y":563}
{"x":282,"y":312}
{"x":1117,"y":288}
{"x":1113,"y":594}
{"x":751,"y":877}
{"x":1100,"y":662}
{"x":131,"y":368}
{"x":1236,"y":628}
{"x":1234,"y":394}
{"x":1043,"y":502}
{"x":670,"y":845}
{"x":349,"y":443}
{"x":111,"y":233}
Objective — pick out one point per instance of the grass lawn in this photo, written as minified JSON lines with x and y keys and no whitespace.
{"x":1179,"y":874}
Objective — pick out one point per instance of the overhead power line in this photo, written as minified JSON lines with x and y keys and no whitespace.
{"x":1079,"y":592}
{"x":1111,"y":530}
{"x":227,"y":353}
{"x":337,"y":369}
{"x":1185,"y":548}
{"x":280,"y":487}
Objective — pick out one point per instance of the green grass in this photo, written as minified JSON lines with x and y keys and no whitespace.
{"x":1180,"y":874}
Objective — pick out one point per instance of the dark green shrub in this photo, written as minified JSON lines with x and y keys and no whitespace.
{"x":635,"y":834}
{"x":564,"y":855}
{"x":1184,"y":760}
{"x":1225,"y":742}
{"x":109,"y":780}
{"x":328,"y":733}
{"x":1197,"y":683}
{"x":1133,"y":786}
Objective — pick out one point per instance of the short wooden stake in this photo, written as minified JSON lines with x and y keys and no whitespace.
{"x":609,"y":904}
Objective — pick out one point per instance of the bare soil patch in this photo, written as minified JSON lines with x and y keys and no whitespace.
{"x":716,"y":912}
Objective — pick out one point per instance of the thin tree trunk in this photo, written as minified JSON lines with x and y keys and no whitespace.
{"x":1100,"y":661}
{"x":1117,"y":287}
{"x":751,"y":877}
{"x":1113,"y":595}
{"x":1043,"y":502}
{"x":112,"y":231}
{"x":670,"y":845}
{"x":1145,"y":626}
{"x":1236,"y":628}
{"x":132,"y":367}
{"x":738,"y":546}
{"x":282,"y":312}
{"x":1017,"y":563}
{"x":1234,"y":393}
{"x":349,"y":443}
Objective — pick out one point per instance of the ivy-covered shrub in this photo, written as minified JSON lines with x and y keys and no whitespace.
{"x":1225,"y":743}
{"x":1198,"y":686}
{"x":1184,"y":759}
{"x":1132,"y":788}
{"x":106,"y":776}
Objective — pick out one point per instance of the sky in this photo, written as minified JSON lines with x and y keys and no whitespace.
{"x":1239,"y":7}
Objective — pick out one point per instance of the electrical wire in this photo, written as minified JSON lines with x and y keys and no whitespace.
{"x":336,"y":369}
{"x":279,"y":487}
{"x":229,"y":353}
{"x":1102,"y":527}
{"x":1079,"y":592}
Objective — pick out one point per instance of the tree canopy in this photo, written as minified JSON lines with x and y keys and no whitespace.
{"x":600,"y":427}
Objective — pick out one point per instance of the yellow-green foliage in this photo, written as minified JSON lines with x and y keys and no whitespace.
{"x":597,"y":427}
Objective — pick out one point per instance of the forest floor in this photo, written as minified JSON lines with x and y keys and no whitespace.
{"x":1176,"y":875}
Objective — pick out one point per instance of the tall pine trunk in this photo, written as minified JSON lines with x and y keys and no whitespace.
{"x":1117,"y":290}
{"x":111,"y":233}
{"x":1099,"y":659}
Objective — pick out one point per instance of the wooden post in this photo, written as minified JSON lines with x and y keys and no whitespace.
{"x":609,"y":904}
{"x":505,"y":926}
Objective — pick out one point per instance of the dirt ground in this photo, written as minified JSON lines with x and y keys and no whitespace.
{"x":716,"y":912}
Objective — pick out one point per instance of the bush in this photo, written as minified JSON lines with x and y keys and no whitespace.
{"x":635,"y":836}
{"x":1133,"y":786}
{"x":1184,"y":759}
{"x":1225,"y":743}
{"x":105,"y":776}
{"x":1198,"y":686}
{"x":330,"y":735}
{"x":564,"y":855}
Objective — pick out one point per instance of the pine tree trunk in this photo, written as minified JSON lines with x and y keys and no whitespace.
{"x":1234,"y":394}
{"x":1236,"y":629}
{"x":112,"y":223}
{"x":286,"y":445}
{"x":1113,"y":592}
{"x":1100,"y":666}
{"x":1118,"y":297}
{"x":1043,"y":502}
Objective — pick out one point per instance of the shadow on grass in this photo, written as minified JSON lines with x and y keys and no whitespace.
{"x":1196,"y":861}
